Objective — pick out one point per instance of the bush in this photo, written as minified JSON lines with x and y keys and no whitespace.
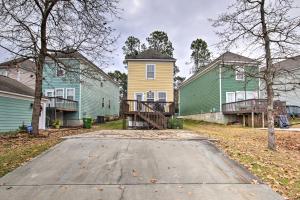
{"x":175,"y":123}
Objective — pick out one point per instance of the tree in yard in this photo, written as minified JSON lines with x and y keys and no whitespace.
{"x":37,"y":30}
{"x":200,"y":54}
{"x":271,"y":31}
{"x":159,"y":40}
{"x":132,"y":46}
{"x":120,"y":78}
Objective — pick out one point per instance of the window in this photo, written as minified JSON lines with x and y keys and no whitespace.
{"x":59,"y":92}
{"x":162,"y":97}
{"x":102,"y":102}
{"x":251,"y":95}
{"x":109,"y":104}
{"x":60,"y":72}
{"x":70,"y":93}
{"x":240,"y":95}
{"x":150,"y":71}
{"x":230,"y":97}
{"x":240,"y":74}
{"x":150,"y":96}
{"x":3,"y":72}
{"x":101,"y":84}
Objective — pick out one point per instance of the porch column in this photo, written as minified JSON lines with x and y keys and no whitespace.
{"x":263,"y":119}
{"x":244,"y":121}
{"x":252,"y":119}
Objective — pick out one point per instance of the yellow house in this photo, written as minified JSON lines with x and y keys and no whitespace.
{"x":150,"y":89}
{"x":150,"y":77}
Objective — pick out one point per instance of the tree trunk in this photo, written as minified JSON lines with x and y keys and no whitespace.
{"x":37,"y":96}
{"x":268,"y":78}
{"x":270,"y":114}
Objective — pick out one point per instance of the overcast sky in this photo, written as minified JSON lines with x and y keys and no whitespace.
{"x":183,"y":21}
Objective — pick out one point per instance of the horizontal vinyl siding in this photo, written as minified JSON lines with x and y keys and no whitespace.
{"x":13,"y":112}
{"x":71,"y":80}
{"x":229,"y":84}
{"x":137,"y":81}
{"x":201,"y":95}
{"x":91,"y":98}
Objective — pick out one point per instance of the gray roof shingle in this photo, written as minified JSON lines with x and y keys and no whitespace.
{"x":150,"y":54}
{"x":14,"y":86}
{"x":23,"y":63}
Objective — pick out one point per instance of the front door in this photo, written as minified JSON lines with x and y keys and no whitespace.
{"x":138,"y":98}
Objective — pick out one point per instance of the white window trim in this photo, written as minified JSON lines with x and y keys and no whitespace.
{"x":154,"y":95}
{"x":139,"y":93}
{"x":162,"y":92}
{"x":230,"y":93}
{"x":49,"y":90}
{"x":67,"y":93}
{"x":154,"y":72}
{"x":239,"y":69}
{"x":253,"y":91}
{"x":63,"y":96}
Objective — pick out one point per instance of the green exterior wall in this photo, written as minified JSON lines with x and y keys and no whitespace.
{"x":71,"y":80}
{"x":201,"y":95}
{"x":229,"y":84}
{"x":88,"y":92}
{"x":92,"y":95}
{"x":13,"y":112}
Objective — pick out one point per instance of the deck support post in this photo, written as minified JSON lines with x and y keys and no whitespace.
{"x":263,"y":119}
{"x":252,"y":119}
{"x":124,"y":122}
{"x":244,"y":121}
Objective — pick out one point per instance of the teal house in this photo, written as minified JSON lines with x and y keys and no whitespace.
{"x":222,"y":92}
{"x":16,"y":101}
{"x":76,"y":88}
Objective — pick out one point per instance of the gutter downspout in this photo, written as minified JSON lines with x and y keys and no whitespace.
{"x":220,"y":86}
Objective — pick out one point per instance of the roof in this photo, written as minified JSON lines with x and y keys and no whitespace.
{"x":76,"y":55}
{"x":23,"y":63}
{"x":290,"y":63}
{"x":227,"y":57}
{"x":150,"y":54}
{"x":14,"y":86}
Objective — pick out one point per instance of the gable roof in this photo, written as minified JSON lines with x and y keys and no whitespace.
{"x":289,"y":64}
{"x":23,"y":63}
{"x":14,"y":86}
{"x":76,"y":55}
{"x":226,"y":58}
{"x":150,"y":54}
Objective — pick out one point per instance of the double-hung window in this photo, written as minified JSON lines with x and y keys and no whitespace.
{"x":60,"y":71}
{"x":59,"y":92}
{"x":150,"y":71}
{"x":150,"y":96}
{"x":70,"y":93}
{"x":162,"y":96}
{"x":240,"y":74}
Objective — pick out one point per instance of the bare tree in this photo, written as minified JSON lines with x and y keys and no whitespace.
{"x":39,"y":29}
{"x":270,"y":31}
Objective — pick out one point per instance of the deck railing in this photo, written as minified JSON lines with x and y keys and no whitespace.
{"x":142,"y":106}
{"x":245,"y":106}
{"x":62,"y":104}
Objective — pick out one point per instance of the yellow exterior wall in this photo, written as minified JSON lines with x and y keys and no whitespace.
{"x":137,"y":80}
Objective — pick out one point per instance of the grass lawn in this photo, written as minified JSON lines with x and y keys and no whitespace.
{"x":280,"y":169}
{"x":16,"y":149}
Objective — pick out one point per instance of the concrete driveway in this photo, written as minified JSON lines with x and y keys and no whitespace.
{"x":133,"y":165}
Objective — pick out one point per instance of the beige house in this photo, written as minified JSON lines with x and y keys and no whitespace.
{"x":150,"y":89}
{"x":150,"y":77}
{"x":19,"y":69}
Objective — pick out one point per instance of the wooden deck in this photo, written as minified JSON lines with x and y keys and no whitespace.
{"x":61,"y":104}
{"x":155,"y":114}
{"x":245,"y":106}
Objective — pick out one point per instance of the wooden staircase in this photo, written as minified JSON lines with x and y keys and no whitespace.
{"x":153,"y":117}
{"x":155,"y":114}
